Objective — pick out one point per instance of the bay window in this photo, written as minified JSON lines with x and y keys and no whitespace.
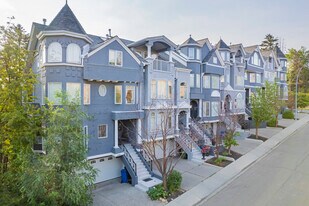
{"x":206,"y":81}
{"x":73,"y":91}
{"x":53,"y":89}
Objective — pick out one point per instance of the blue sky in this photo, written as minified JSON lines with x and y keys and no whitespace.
{"x":235,"y":21}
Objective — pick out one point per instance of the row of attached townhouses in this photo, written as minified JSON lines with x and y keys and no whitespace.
{"x":126,"y":86}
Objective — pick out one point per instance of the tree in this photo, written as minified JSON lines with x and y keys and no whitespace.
{"x":298,"y":59}
{"x":269,"y":42}
{"x":260,"y":108}
{"x":231,"y":123}
{"x":62,"y":176}
{"x":18,"y":117}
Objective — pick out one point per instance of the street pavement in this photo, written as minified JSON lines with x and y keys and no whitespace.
{"x":280,"y":178}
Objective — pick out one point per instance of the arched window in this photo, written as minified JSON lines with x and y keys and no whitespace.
{"x":256,"y":59}
{"x":239,"y":101}
{"x":73,"y":54}
{"x":183,"y":90}
{"x":54,"y":53}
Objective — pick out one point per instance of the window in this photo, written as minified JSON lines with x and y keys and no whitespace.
{"x":222,"y":78}
{"x":73,"y":54}
{"x":153,"y":89}
{"x":54,"y":52}
{"x":86,"y":93}
{"x":206,"y":109}
{"x":215,"y":60}
{"x":130,"y":94}
{"x":214,"y":109}
{"x":198,"y":81}
{"x":239,"y":101}
{"x":118,"y":94}
{"x":183,"y":90}
{"x":170,"y":89}
{"x":246,"y":75}
{"x":255,"y":59}
{"x":73,"y":91}
{"x":115,"y":58}
{"x":38,"y":144}
{"x":227,"y":75}
{"x":102,"y":90}
{"x":43,"y":93}
{"x":285,"y":92}
{"x":85,"y":130}
{"x":215,"y":82}
{"x":206,"y":81}
{"x":160,"y":122}
{"x":53,"y":89}
{"x":282,"y":77}
{"x":223,"y":56}
{"x":198,"y":54}
{"x":169,"y":122}
{"x":153,"y":121}
{"x":191,"y":80}
{"x":191,"y":53}
{"x":43,"y":54}
{"x":258,"y":78}
{"x":162,"y":89}
{"x":252,"y":77}
{"x":103,"y":131}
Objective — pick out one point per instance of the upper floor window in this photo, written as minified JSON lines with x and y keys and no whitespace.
{"x":53,"y":89}
{"x":103,"y":132}
{"x":152,"y":122}
{"x":258,"y":78}
{"x":170,"y":89}
{"x":73,"y":91}
{"x":215,"y":60}
{"x":239,"y":101}
{"x":153,"y":89}
{"x":282,"y":77}
{"x":252,"y":77}
{"x":115,"y":58}
{"x":198,"y":81}
{"x":130,"y":94}
{"x":255,"y":59}
{"x":73,"y":54}
{"x":183,"y":90}
{"x":192,"y":80}
{"x":223,"y":56}
{"x":118,"y":94}
{"x":206,"y":109}
{"x":198,"y":54}
{"x":162,"y":89}
{"x":227,"y":75}
{"x":239,"y":80}
{"x":214,"y":109}
{"x":86,"y":93}
{"x":215,"y":82}
{"x":191,"y":53}
{"x":283,"y":63}
{"x":206,"y":81}
{"x":54,"y":52}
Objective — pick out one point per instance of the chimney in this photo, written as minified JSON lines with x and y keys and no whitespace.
{"x":110,"y":32}
{"x":44,"y":21}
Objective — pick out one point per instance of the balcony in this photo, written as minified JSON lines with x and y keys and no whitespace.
{"x":160,"y":65}
{"x":111,"y":73}
{"x":209,"y":69}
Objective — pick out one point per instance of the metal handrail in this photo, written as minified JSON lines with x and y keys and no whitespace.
{"x":147,"y":158}
{"x":130,"y":159}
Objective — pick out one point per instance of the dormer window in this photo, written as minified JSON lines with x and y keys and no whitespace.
{"x":115,"y":58}
{"x":215,"y":60}
{"x":255,"y":59}
{"x":198,"y":54}
{"x":54,"y":52}
{"x":73,"y":54}
{"x":191,"y":53}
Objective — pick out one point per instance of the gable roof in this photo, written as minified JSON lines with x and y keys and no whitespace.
{"x":35,"y":30}
{"x":189,"y":41}
{"x":279,"y":53}
{"x":165,"y":56}
{"x":210,"y":54}
{"x":206,"y":41}
{"x":66,"y":20}
{"x":250,"y":49}
{"x":222,"y":45}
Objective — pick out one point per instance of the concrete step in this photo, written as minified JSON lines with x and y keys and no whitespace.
{"x":145,"y":185}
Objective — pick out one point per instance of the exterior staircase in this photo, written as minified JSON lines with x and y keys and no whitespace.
{"x":139,"y":168}
{"x":202,"y":134}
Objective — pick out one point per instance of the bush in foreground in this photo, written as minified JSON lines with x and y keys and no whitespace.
{"x":174,"y":181}
{"x":288,"y":114}
{"x":157,"y":192}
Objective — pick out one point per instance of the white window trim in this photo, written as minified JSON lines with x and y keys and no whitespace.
{"x":106,"y":131}
{"x":133,"y":95}
{"x":87,"y":103}
{"x":115,"y":91}
{"x":204,"y":112}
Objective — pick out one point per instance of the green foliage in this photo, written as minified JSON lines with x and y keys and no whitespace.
{"x":228,"y":142}
{"x":219,"y":160}
{"x":157,"y":192}
{"x":272,"y":122}
{"x":63,"y":176}
{"x":302,"y":100}
{"x":269,"y":42}
{"x":174,"y":181}
{"x":288,"y":114}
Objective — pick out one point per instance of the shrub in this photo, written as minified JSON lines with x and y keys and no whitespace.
{"x":288,"y":114}
{"x":174,"y":181}
{"x":157,"y":192}
{"x":272,"y":122}
{"x":219,"y":160}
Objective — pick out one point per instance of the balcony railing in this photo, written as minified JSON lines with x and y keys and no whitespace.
{"x":161,"y":65}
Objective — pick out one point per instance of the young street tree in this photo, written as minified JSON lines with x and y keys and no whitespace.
{"x":18,"y":118}
{"x":62,"y":176}
{"x":269,"y":42}
{"x":260,"y":109}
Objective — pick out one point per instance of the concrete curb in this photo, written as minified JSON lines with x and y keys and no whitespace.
{"x":212,"y":185}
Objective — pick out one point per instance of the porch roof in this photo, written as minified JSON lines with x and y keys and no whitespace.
{"x":125,"y":115}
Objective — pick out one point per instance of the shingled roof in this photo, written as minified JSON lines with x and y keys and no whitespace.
{"x":66,"y":20}
{"x":279,"y":53}
{"x":190,"y":40}
{"x":222,"y":45}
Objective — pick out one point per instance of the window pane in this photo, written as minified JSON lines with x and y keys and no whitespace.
{"x":119,"y":58}
{"x":191,"y":80}
{"x":215,"y":60}
{"x":111,"y":57}
{"x":191,"y":53}
{"x":53,"y":89}
{"x":198,"y":81}
{"x":252,"y":77}
{"x":215,"y":82}
{"x":162,"y":89}
{"x":86,"y":93}
{"x":206,"y":112}
{"x":170,"y":89}
{"x":55,"y":52}
{"x":153,"y":89}
{"x":214,"y":109}
{"x":198,"y":54}
{"x":183,"y":91}
{"x":206,"y":81}
{"x":130,"y":94}
{"x":73,"y":54}
{"x":103,"y":131}
{"x":118,"y":94}
{"x":152,"y":121}
{"x":73,"y":91}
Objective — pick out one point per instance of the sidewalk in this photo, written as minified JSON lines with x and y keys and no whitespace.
{"x":226,"y":175}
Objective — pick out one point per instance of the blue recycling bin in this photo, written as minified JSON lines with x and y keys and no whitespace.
{"x":124,"y":176}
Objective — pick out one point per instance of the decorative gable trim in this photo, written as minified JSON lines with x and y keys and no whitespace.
{"x":116,"y":38}
{"x":219,"y":57}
